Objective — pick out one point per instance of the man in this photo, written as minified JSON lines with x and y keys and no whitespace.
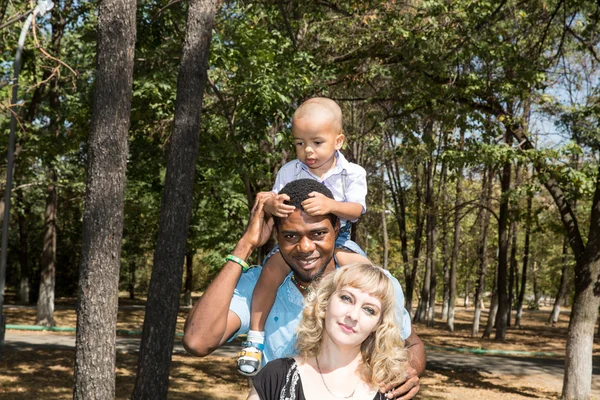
{"x":307,"y":244}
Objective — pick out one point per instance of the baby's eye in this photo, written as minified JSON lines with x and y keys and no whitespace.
{"x":318,"y":143}
{"x":299,"y":143}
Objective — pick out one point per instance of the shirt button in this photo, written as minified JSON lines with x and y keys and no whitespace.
{"x":276,"y":319}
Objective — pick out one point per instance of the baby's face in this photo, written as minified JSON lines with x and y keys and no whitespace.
{"x":317,"y":138}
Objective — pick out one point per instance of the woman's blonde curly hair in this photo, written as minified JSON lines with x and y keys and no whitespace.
{"x":383,"y":354}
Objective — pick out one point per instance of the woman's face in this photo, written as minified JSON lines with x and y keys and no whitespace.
{"x":351,"y":316}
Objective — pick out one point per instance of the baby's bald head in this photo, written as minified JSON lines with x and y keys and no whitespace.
{"x":321,"y":108}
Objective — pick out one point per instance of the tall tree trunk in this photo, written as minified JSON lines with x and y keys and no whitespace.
{"x":397,"y":192}
{"x":132,"y":269}
{"x":429,"y":274}
{"x":165,"y":285}
{"x":493,"y":312}
{"x":578,"y":362}
{"x":417,"y":240}
{"x":536,"y":290}
{"x":45,"y":305}
{"x":487,"y":185}
{"x":525,"y":262}
{"x":562,"y":286}
{"x":445,"y":251}
{"x":513,"y":256}
{"x":25,"y":286}
{"x":384,"y":231}
{"x":97,"y":304}
{"x":512,"y":276}
{"x":503,"y":248}
{"x":189,"y":278}
{"x":456,"y":244}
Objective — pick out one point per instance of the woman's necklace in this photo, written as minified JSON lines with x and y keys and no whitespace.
{"x":327,"y":387}
{"x":298,"y":284}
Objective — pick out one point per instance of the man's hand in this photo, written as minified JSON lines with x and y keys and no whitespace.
{"x":260,"y":225}
{"x":276,"y":207}
{"x":318,"y":204}
{"x":406,"y":387}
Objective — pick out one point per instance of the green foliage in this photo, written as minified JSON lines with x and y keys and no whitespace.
{"x":408,"y":76}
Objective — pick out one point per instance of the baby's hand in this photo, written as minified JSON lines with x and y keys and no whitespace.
{"x":317,"y":204}
{"x":277,"y":208}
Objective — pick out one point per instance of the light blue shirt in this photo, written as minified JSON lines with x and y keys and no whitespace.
{"x":347,"y":181}
{"x":282,"y":321}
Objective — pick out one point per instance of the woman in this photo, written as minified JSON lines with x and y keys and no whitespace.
{"x":348,"y":342}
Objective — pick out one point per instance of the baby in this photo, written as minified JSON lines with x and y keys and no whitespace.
{"x":318,"y":137}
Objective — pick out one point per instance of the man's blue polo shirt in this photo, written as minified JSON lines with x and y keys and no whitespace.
{"x":280,"y":329}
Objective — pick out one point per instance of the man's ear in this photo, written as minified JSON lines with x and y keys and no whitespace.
{"x":336,"y":228}
{"x":339,"y":141}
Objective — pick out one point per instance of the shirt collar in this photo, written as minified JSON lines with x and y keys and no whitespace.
{"x":341,"y":164}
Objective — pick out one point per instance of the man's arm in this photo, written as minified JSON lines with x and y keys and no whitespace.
{"x":211,"y":323}
{"x":408,"y":385}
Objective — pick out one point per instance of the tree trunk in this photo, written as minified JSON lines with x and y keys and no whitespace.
{"x":525,"y":262}
{"x":384,"y":231}
{"x":578,"y":362}
{"x":466,"y":299}
{"x":512,"y":270}
{"x":25,"y":286}
{"x":493,"y":312}
{"x":445,"y":250}
{"x":580,"y":339}
{"x":537,"y":295}
{"x":429,"y":274}
{"x":104,"y":200}
{"x":417,"y":241}
{"x":502,"y":270}
{"x":45,"y":305}
{"x":512,"y":277}
{"x":487,"y":185}
{"x":456,"y":244}
{"x":189,"y":278}
{"x":397,"y":192}
{"x":562,"y":286}
{"x":165,"y":285}
{"x":132,"y":269}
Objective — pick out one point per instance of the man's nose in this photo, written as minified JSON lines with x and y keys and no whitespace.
{"x":306,"y":245}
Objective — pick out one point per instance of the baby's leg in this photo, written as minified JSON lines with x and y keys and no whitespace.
{"x":271,"y":277}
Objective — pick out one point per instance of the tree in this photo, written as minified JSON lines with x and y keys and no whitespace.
{"x":97,"y":303}
{"x":162,"y":306}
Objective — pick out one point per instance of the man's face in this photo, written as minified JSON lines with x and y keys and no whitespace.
{"x":306,"y":244}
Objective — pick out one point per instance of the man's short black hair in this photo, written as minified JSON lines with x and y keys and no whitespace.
{"x":299,"y":190}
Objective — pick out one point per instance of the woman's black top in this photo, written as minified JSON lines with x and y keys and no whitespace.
{"x":280,"y":380}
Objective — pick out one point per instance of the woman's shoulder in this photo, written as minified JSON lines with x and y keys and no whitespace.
{"x":280,"y":363}
{"x":277,"y":377}
{"x":276,"y":369}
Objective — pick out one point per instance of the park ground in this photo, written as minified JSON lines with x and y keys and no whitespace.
{"x":35,"y":372}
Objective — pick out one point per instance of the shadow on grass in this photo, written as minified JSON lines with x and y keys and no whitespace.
{"x":475,"y":380}
{"x":48,"y":374}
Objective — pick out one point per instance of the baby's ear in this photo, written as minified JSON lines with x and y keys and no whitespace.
{"x":339,"y":141}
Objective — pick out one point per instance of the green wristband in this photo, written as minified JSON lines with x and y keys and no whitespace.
{"x":239,"y":261}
